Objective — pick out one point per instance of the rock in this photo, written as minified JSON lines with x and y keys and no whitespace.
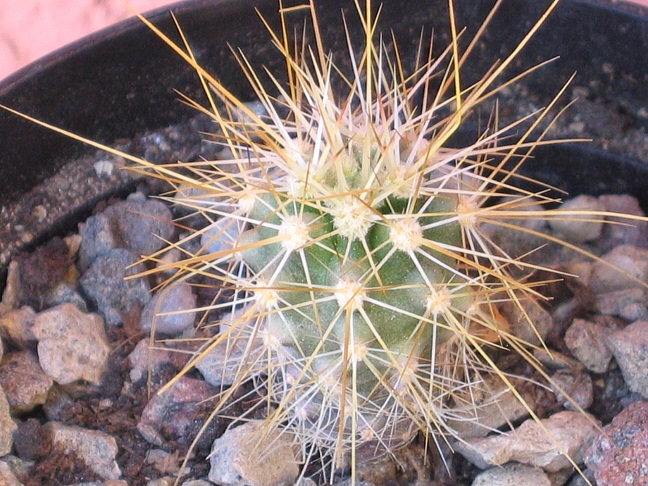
{"x":555,"y":360}
{"x":619,"y":455}
{"x":96,"y":449}
{"x":171,"y":310}
{"x":532,"y":443}
{"x":177,"y":414}
{"x":141,"y":226}
{"x":42,"y":270}
{"x":587,"y":341}
{"x":66,"y":294}
{"x":577,"y":385}
{"x":7,"y":425}
{"x":222,"y":365}
{"x":252,"y":455}
{"x":25,"y":383}
{"x":629,"y":232}
{"x":629,"y":304}
{"x":512,"y":475}
{"x":144,"y":359}
{"x":498,"y":408}
{"x":531,"y":323}
{"x":71,"y":345}
{"x":630,"y":349}
{"x":163,"y":461}
{"x":16,"y":326}
{"x":98,"y":238}
{"x":29,"y":441}
{"x":221,"y":235}
{"x":624,"y":267}
{"x":7,"y":477}
{"x":579,"y":228}
{"x":106,"y":285}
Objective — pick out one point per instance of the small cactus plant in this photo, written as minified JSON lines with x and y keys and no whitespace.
{"x":364,"y":292}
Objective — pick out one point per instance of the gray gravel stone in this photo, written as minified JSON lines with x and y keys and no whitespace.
{"x":587,"y":341}
{"x":71,"y":345}
{"x":617,"y":268}
{"x":141,"y":226}
{"x":576,"y":228}
{"x":630,"y":232}
{"x":630,"y":349}
{"x":96,"y":449}
{"x":145,"y":358}
{"x":25,"y":383}
{"x":577,"y":385}
{"x":498,"y":408}
{"x":251,"y":455}
{"x":513,"y":475}
{"x":222,"y":364}
{"x":177,"y":414}
{"x":170,"y":311}
{"x":531,"y":323}
{"x":106,"y":285}
{"x":532,"y":443}
{"x":629,"y":304}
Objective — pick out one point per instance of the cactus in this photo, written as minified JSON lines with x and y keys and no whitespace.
{"x":363,"y":290}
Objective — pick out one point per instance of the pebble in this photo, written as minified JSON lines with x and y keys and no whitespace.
{"x":498,"y":408}
{"x":25,"y":383}
{"x":619,"y":455}
{"x":617,"y":267}
{"x":7,"y":425}
{"x":178,"y":413}
{"x":72,"y":345}
{"x":630,"y":349}
{"x":170,"y":311}
{"x":530,"y":444}
{"x":252,"y":455}
{"x":65,"y":294}
{"x":629,"y":304}
{"x":222,"y":365}
{"x":106,"y":285}
{"x":145,"y":358}
{"x":141,"y":226}
{"x":577,"y":385}
{"x":587,"y":341}
{"x":16,"y":326}
{"x":513,"y":475}
{"x":577,"y":228}
{"x":221,"y":235}
{"x":97,"y":449}
{"x":630,"y":232}
{"x":7,"y":477}
{"x":531,"y":323}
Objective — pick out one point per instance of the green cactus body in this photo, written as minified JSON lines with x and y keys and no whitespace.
{"x":352,"y":313}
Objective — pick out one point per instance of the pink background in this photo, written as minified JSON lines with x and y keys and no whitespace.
{"x":30,"y":29}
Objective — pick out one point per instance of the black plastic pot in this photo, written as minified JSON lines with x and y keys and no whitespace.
{"x":122,"y":81}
